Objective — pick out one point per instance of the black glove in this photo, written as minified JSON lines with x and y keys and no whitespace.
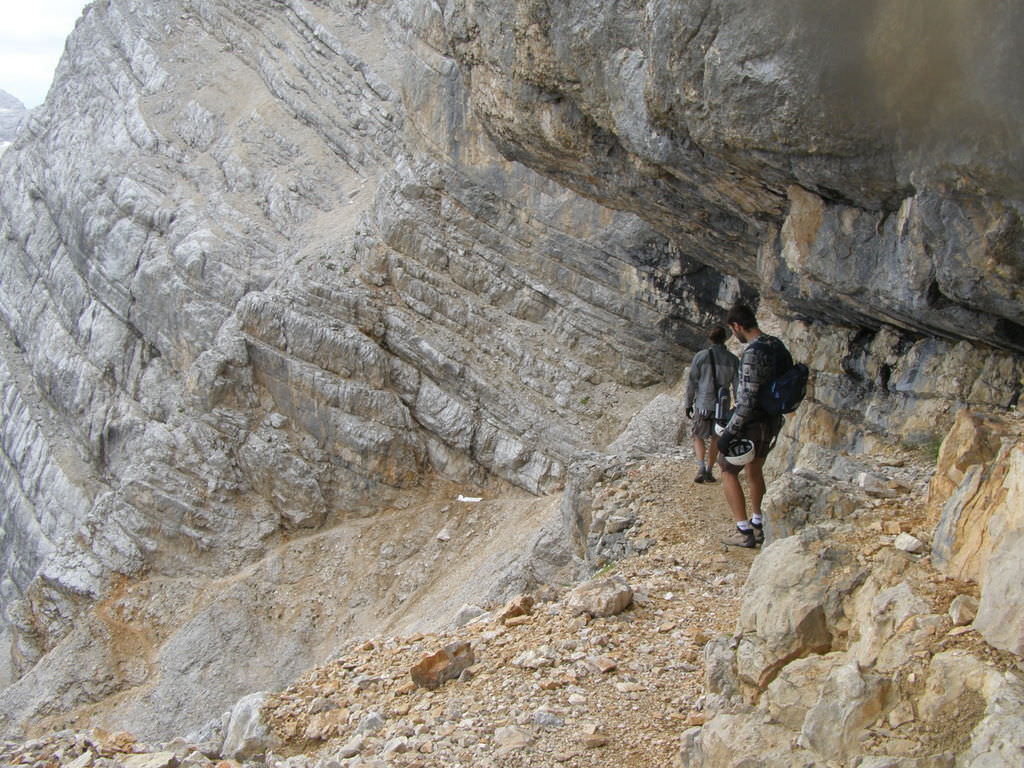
{"x":689,"y":411}
{"x":725,"y":439}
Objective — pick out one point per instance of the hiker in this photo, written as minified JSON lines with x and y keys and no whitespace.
{"x":712,"y":369}
{"x":750,"y":434}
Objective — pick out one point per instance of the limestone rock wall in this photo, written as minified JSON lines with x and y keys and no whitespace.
{"x":771,"y":138}
{"x":269,"y":270}
{"x":976,"y":497}
{"x":254,"y":298}
{"x":859,"y":644}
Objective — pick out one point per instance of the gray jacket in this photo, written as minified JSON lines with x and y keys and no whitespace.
{"x":700,"y":387}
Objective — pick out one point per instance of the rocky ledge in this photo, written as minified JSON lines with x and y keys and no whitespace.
{"x":279,"y":281}
{"x":848,"y":644}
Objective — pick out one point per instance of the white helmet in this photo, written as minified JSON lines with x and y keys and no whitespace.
{"x":740,"y":452}
{"x":719,"y":428}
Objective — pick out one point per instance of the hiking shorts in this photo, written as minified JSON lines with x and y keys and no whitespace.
{"x":702,"y":426}
{"x":762,"y":433}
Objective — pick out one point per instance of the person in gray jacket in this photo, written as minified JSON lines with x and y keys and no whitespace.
{"x":711,"y":369}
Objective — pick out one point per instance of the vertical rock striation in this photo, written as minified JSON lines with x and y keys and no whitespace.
{"x":268,"y":271}
{"x":268,"y":294}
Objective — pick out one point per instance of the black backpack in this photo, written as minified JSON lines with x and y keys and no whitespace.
{"x":788,"y":386}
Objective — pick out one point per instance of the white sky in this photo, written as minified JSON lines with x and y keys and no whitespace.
{"x":32,"y":35}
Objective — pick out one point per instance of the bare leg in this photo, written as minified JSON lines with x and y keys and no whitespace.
{"x":734,"y":496}
{"x":755,"y":480}
{"x":698,"y":448}
{"x":713,"y":451}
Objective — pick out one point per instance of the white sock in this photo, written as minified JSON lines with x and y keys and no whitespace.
{"x":702,"y":466}
{"x":744,"y":526}
{"x":756,"y":518}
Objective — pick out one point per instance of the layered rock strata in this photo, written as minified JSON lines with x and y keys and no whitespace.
{"x":252,"y":303}
{"x":255,"y":299}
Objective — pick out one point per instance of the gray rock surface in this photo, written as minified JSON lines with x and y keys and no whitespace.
{"x":270,"y":274}
{"x":247,"y":735}
{"x":12,"y":114}
{"x":600,"y":598}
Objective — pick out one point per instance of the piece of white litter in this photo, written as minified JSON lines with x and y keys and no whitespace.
{"x":469,"y":498}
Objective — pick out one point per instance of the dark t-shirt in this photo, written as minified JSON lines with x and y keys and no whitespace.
{"x":763,"y":359}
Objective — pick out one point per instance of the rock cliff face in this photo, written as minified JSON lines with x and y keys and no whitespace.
{"x":261,"y":312}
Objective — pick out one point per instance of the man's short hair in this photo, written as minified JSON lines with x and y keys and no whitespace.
{"x":718,"y":334}
{"x":742,"y":315}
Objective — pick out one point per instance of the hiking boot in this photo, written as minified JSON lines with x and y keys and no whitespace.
{"x":708,"y":477}
{"x":740,"y":538}
{"x":702,"y":476}
{"x":758,"y":533}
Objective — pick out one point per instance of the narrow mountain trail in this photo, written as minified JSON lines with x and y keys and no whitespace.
{"x":548,"y":688}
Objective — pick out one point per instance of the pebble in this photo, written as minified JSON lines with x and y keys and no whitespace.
{"x":547,"y":719}
{"x":511,"y":738}
{"x":602,"y":664}
{"x":963,"y":610}
{"x":371,"y":723}
{"x":908,"y":543}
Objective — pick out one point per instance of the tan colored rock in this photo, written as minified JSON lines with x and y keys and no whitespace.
{"x":601,"y":597}
{"x":966,"y":492}
{"x":978,"y":485}
{"x":963,"y":609}
{"x":150,"y":760}
{"x":536,"y":658}
{"x":602,"y":664}
{"x":733,"y":740}
{"x":593,"y":736}
{"x":901,"y":714}
{"x":516,"y":608}
{"x":446,"y":664}
{"x":850,"y":699}
{"x":512,"y":738}
{"x":1000,"y":618}
{"x":792,"y":694}
{"x":84,"y":760}
{"x":973,"y":439}
{"x":594,"y":741}
{"x":783,"y":614}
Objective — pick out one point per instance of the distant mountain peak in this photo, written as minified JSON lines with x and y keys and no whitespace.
{"x":7,"y":101}
{"x":12,"y":111}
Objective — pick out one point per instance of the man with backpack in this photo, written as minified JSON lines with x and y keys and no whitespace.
{"x":713,"y":369}
{"x":769,"y":385}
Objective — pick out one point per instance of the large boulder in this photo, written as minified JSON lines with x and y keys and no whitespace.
{"x":977,"y":489}
{"x":748,"y":740}
{"x":795,"y":690}
{"x":850,"y":699}
{"x":248,"y":734}
{"x":784,"y":615}
{"x":961,"y":688}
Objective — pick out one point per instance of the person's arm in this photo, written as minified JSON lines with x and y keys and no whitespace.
{"x":755,"y":370}
{"x":692,"y":384}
